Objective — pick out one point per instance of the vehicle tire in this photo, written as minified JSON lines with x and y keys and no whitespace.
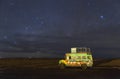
{"x":83,"y":67}
{"x":62,"y":66}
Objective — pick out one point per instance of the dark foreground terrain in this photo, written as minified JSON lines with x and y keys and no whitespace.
{"x":48,"y":69}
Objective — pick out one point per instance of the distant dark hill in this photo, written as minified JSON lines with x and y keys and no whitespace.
{"x":111,"y":63}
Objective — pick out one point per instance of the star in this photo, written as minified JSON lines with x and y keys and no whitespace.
{"x":88,"y":4}
{"x":5,"y":37}
{"x":15,"y":42}
{"x":12,"y":3}
{"x":102,"y":17}
{"x":96,"y":23}
{"x":26,"y":28}
{"x":5,"y":19}
{"x":42,"y":22}
{"x":37,"y":18}
{"x":88,"y":24}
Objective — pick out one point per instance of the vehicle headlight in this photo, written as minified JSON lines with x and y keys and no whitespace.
{"x":88,"y":63}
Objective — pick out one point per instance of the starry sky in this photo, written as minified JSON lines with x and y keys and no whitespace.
{"x":49,"y":28}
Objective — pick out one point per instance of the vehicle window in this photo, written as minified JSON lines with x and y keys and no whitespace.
{"x":88,"y":49}
{"x":88,"y":57}
{"x":83,"y":57}
{"x":69,"y":57}
{"x":79,"y":57}
{"x":80,"y":50}
{"x":84,"y":50}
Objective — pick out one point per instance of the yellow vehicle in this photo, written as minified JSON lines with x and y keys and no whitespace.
{"x":79,"y":57}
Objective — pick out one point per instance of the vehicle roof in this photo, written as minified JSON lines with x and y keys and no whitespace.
{"x":79,"y":47}
{"x":78,"y":54}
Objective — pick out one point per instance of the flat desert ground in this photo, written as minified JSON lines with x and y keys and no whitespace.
{"x":47,"y":68}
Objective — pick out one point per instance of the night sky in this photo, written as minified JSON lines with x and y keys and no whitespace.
{"x":49,"y":28}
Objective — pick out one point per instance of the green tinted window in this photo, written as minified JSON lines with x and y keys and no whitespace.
{"x":83,"y":57}
{"x":88,"y":57}
{"x":79,"y":57}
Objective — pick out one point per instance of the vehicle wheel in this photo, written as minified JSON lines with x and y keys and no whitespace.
{"x":62,"y":66}
{"x":83,"y":67}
